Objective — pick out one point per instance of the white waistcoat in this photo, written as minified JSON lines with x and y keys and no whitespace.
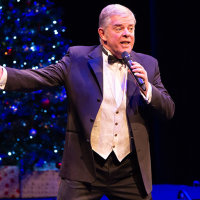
{"x":110,"y":131}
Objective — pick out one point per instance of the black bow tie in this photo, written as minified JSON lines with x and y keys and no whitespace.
{"x":112,"y":59}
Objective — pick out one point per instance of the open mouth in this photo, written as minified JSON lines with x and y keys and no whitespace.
{"x":125,"y":43}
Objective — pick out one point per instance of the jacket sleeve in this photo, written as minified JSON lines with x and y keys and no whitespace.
{"x":161,"y":103}
{"x":31,"y":80}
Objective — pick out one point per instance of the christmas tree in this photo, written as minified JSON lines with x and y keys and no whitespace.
{"x":32,"y":125}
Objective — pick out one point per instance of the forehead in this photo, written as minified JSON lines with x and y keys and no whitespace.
{"x":119,"y":20}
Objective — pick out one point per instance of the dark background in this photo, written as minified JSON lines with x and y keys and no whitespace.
{"x":169,"y":31}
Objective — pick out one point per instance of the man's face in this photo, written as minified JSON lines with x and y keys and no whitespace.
{"x":119,"y":35}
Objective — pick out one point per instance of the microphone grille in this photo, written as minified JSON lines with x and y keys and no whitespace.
{"x":126,"y":56}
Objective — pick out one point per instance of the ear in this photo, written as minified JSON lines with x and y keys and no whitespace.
{"x":102,"y":34}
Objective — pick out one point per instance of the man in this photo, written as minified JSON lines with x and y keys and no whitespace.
{"x":107,"y":142}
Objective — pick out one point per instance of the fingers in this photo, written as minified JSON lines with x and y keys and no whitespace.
{"x":140,"y":72}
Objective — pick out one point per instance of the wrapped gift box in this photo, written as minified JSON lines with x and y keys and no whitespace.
{"x":40,"y":184}
{"x":9,"y":182}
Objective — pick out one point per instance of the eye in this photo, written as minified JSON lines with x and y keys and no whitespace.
{"x":131,"y":29}
{"x":118,"y":29}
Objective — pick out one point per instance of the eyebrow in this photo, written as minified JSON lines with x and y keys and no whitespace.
{"x":122,"y":24}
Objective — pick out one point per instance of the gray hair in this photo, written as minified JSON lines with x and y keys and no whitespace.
{"x":111,"y":10}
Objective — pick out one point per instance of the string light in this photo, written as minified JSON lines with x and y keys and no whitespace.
{"x":22,"y":51}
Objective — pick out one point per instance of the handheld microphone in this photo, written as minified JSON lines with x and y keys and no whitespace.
{"x":126,"y":57}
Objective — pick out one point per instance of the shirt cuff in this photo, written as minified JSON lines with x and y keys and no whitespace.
{"x":149,"y":94}
{"x":3,"y":79}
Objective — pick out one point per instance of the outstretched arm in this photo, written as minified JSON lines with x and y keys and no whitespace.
{"x":30,"y":80}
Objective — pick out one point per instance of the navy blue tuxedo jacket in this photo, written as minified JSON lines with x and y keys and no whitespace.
{"x":80,"y":71}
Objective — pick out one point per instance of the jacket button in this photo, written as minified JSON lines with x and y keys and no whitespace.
{"x":99,"y":100}
{"x":92,"y":120}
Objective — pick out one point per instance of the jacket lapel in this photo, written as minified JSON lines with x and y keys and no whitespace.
{"x":131,"y":86}
{"x":96,"y":64}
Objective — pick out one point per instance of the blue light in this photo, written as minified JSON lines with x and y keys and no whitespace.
{"x":53,"y":116}
{"x":54,"y":22}
{"x":0,"y":7}
{"x":46,"y":29}
{"x":9,"y":153}
{"x":14,"y":37}
{"x":55,"y":151}
{"x":52,"y":58}
{"x":18,"y":139}
{"x":8,"y":17}
{"x":17,"y":158}
{"x":18,"y":0}
{"x":4,"y":92}
{"x":32,"y":48}
{"x":4,"y":65}
{"x":14,"y":108}
{"x":31,"y":137}
{"x":7,"y":38}
{"x":54,"y":46}
{"x":25,"y":63}
{"x":14,"y":62}
{"x":18,"y":19}
{"x":0,"y":158}
{"x":63,"y":30}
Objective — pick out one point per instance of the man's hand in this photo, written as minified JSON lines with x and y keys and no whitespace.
{"x":140,"y":72}
{"x":1,"y":71}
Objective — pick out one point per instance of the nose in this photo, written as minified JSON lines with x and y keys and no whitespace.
{"x":126,"y":32}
